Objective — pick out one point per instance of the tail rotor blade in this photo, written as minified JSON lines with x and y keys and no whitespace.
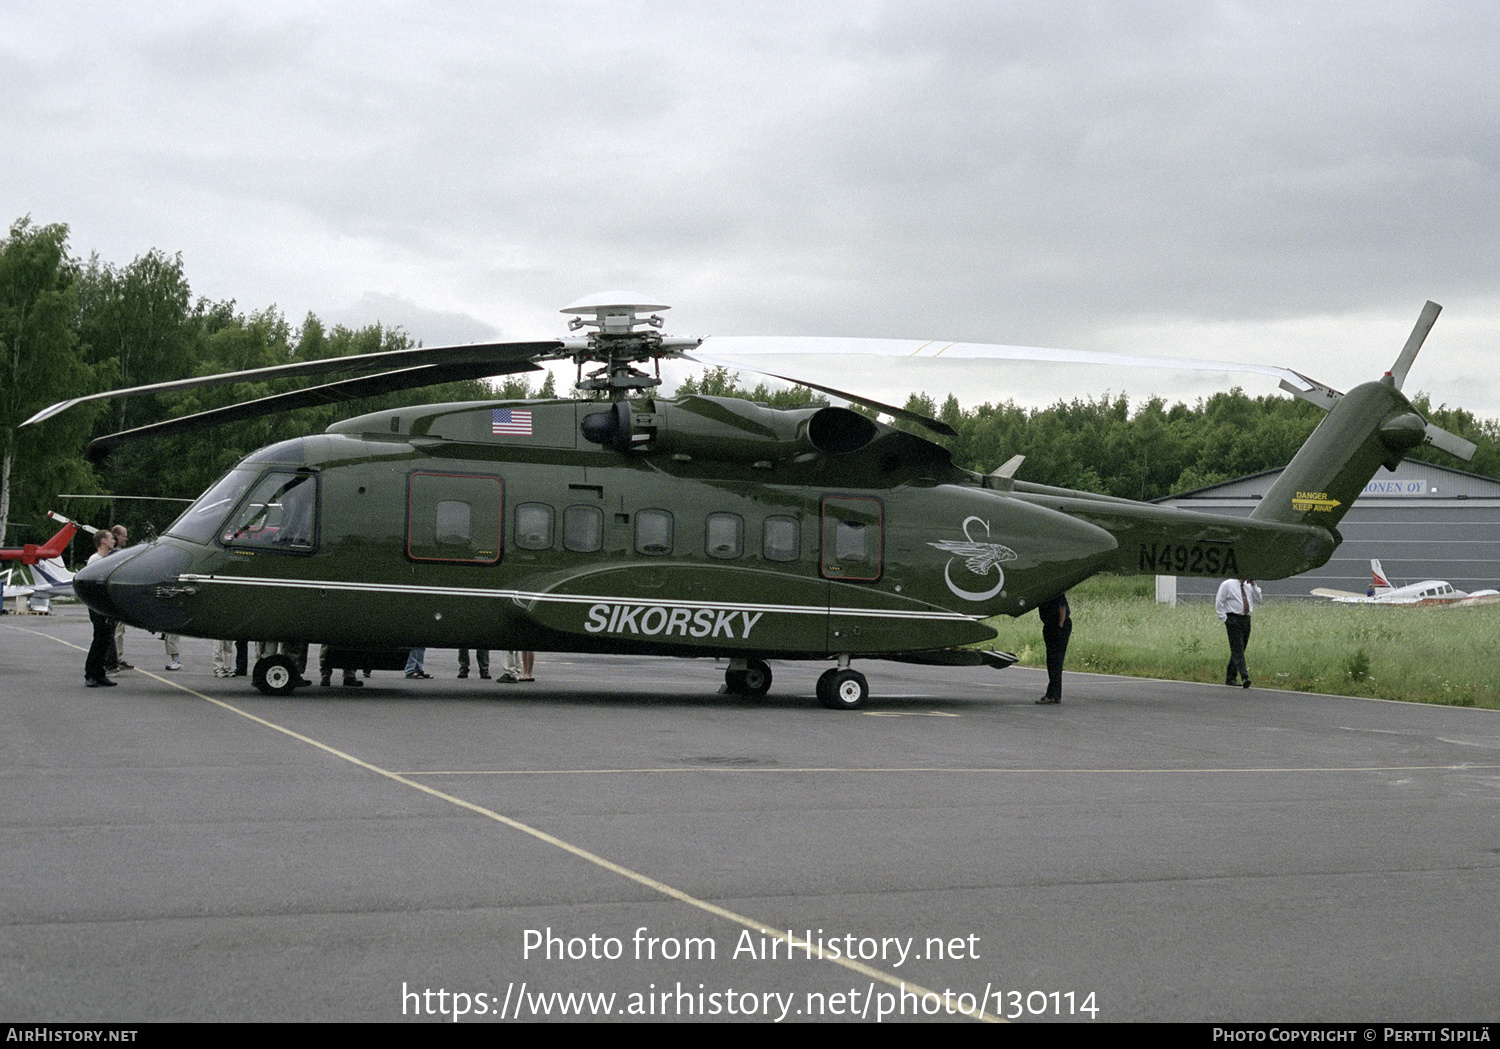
{"x":1414,"y":343}
{"x":1451,"y":443}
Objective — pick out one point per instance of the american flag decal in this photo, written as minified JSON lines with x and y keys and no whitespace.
{"x":512,"y":422}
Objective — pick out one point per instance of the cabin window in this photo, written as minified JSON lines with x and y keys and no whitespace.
{"x":534,"y":526}
{"x":653,"y":532}
{"x":583,"y":529}
{"x":280,"y":513}
{"x":851,"y":542}
{"x":453,"y":517}
{"x":782,"y":539}
{"x":454,"y":522}
{"x":851,"y":538}
{"x":724,"y":535}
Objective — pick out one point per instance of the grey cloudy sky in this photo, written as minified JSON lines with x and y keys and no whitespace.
{"x":1278,"y":182}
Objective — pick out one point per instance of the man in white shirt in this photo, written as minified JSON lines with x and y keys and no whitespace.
{"x":1234,"y":604}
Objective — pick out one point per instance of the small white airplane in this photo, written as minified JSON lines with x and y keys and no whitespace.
{"x":49,"y":579}
{"x":1427,"y":592}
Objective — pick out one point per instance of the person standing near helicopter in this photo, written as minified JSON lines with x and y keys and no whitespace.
{"x":1234,"y":603}
{"x":104,"y":627}
{"x":1057,"y":628}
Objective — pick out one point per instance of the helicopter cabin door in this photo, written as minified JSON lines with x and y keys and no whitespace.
{"x":453,"y":518}
{"x":852,"y":559}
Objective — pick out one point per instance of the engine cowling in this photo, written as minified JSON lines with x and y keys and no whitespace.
{"x":726,"y":428}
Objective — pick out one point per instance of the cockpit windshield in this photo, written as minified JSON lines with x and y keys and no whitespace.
{"x":200,"y":522}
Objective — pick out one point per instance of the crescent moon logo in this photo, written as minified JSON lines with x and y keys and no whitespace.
{"x":979,"y":557}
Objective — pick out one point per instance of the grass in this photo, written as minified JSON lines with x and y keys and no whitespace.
{"x":1427,"y":655}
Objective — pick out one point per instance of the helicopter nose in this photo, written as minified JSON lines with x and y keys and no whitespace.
{"x":138,"y":586}
{"x":90,"y":585}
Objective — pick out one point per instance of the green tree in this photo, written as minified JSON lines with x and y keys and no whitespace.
{"x":39,"y":365}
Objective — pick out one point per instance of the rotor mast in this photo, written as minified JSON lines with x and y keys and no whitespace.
{"x":625,"y":333}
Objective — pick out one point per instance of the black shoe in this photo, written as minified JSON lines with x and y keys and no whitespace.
{"x":301,"y":682}
{"x":350,"y":681}
{"x":1047,"y":701}
{"x":484,"y":675}
{"x":463,"y":673}
{"x":1247,"y":683}
{"x":102,"y":682}
{"x":326,"y":681}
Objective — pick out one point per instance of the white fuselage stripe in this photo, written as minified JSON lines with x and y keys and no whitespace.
{"x":526,"y":597}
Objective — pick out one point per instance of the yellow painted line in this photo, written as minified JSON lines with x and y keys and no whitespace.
{"x":49,"y":637}
{"x":599,"y":861}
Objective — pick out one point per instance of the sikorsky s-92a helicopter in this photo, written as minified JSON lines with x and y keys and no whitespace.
{"x":689,"y":526}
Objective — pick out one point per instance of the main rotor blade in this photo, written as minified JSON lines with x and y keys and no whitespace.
{"x":751,"y":346}
{"x":496,"y":354}
{"x":329,"y":393}
{"x":935,"y":425}
{"x":738,"y":346}
{"x":1414,"y":342}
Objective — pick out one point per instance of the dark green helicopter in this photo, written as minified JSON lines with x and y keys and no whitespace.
{"x":695,"y":526}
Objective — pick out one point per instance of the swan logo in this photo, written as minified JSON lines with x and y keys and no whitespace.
{"x":979,"y":557}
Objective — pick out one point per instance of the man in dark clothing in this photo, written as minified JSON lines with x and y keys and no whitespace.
{"x":1057,"y":627}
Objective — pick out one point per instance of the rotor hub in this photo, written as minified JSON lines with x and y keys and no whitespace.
{"x":621,"y":337}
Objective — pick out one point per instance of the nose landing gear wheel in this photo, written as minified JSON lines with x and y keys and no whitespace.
{"x":276,"y":675}
{"x":843,"y":689}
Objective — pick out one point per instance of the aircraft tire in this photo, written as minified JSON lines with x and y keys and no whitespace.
{"x":275,"y":675}
{"x":754,"y":680}
{"x":843,"y":689}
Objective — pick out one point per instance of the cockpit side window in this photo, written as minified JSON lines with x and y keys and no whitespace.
{"x":280,"y":513}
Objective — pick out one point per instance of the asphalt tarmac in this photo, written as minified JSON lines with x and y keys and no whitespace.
{"x":616,"y":841}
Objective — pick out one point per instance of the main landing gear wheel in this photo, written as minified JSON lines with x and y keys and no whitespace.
{"x":843,"y":689}
{"x":276,"y":675}
{"x":754,"y":680}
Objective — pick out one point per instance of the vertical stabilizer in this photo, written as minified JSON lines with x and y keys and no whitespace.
{"x":1372,"y":426}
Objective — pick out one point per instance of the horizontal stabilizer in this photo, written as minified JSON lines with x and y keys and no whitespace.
{"x":1311,"y":390}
